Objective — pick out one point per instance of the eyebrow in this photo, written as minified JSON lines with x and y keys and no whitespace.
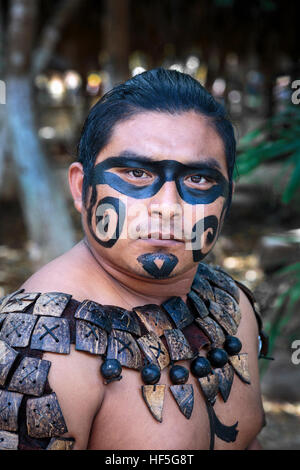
{"x":210,"y":162}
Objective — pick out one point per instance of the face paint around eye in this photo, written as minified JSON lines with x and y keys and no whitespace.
{"x":164,"y":170}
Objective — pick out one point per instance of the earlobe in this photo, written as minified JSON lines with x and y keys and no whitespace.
{"x":76,"y":182}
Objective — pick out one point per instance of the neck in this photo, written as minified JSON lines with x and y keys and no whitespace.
{"x":135,"y":290}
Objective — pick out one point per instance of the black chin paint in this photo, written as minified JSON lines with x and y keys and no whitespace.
{"x":165,"y":170}
{"x":147,"y":260}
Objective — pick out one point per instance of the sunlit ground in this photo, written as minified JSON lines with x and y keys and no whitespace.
{"x":283,"y":426}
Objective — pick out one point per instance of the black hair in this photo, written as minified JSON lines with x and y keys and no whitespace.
{"x":158,"y":90}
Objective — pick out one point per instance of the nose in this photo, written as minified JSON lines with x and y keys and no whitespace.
{"x":165,"y":212}
{"x":166,"y":202}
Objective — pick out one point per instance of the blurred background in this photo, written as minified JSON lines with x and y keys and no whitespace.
{"x":58,"y":57}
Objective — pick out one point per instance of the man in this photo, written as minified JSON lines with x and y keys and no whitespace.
{"x":140,"y":360}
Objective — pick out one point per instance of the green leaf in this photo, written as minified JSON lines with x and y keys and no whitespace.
{"x":293,"y":185}
{"x":294,"y":297}
{"x":288,"y":269}
{"x":280,"y":299}
{"x":250,"y":136}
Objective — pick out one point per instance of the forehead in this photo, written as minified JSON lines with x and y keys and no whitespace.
{"x":187,"y":137}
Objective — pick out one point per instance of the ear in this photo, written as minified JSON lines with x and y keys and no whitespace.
{"x":75,"y":182}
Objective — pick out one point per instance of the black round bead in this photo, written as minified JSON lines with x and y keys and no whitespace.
{"x":217,"y":357}
{"x":111,"y":368}
{"x":179,"y":374}
{"x":200,"y":367}
{"x":232,"y":345}
{"x":151,"y":374}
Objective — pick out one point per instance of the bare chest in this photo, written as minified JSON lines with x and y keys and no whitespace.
{"x":125,"y":420}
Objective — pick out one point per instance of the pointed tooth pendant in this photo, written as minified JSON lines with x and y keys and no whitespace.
{"x":154,"y":397}
{"x":210,"y":387}
{"x":240,"y":364}
{"x":184,"y":396}
{"x":225,"y":375}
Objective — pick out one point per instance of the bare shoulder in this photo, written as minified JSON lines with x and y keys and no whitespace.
{"x":65,"y":273}
{"x":248,"y":328}
{"x":77,"y":382}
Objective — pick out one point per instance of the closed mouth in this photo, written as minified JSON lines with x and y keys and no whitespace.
{"x":162,"y":236}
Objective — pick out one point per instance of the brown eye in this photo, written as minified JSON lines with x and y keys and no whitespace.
{"x":137,"y":173}
{"x":201,"y":181}
{"x":197,"y":179}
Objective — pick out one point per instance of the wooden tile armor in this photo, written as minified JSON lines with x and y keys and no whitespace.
{"x":51,"y":304}
{"x":90,"y":338}
{"x":30,"y":376}
{"x":148,"y":339}
{"x":154,"y":350}
{"x":51,"y":334}
{"x":17,"y":328}
{"x":44,"y":417}
{"x":8,"y":441}
{"x":7,"y":358}
{"x":9,"y":407}
{"x":123,"y":347}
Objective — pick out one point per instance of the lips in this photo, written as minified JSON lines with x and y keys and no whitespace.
{"x":158,"y":233}
{"x":162,"y":236}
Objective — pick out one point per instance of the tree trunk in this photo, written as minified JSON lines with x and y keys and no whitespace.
{"x":3,"y":127}
{"x":51,"y":34}
{"x":116,"y":40}
{"x":3,"y":143}
{"x":44,"y":208}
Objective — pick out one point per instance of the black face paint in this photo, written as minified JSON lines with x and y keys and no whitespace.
{"x":165,"y":170}
{"x":210,"y":221}
{"x":147,"y":260}
{"x":103,"y":221}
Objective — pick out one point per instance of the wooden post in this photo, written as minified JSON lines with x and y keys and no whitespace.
{"x":51,"y":34}
{"x":116,"y":40}
{"x":44,"y":207}
{"x":3,"y":127}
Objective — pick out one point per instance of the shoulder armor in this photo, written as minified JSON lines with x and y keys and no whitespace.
{"x":31,"y":323}
{"x":223,"y":284}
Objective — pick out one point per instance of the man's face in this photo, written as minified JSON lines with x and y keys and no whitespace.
{"x":159,"y":192}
